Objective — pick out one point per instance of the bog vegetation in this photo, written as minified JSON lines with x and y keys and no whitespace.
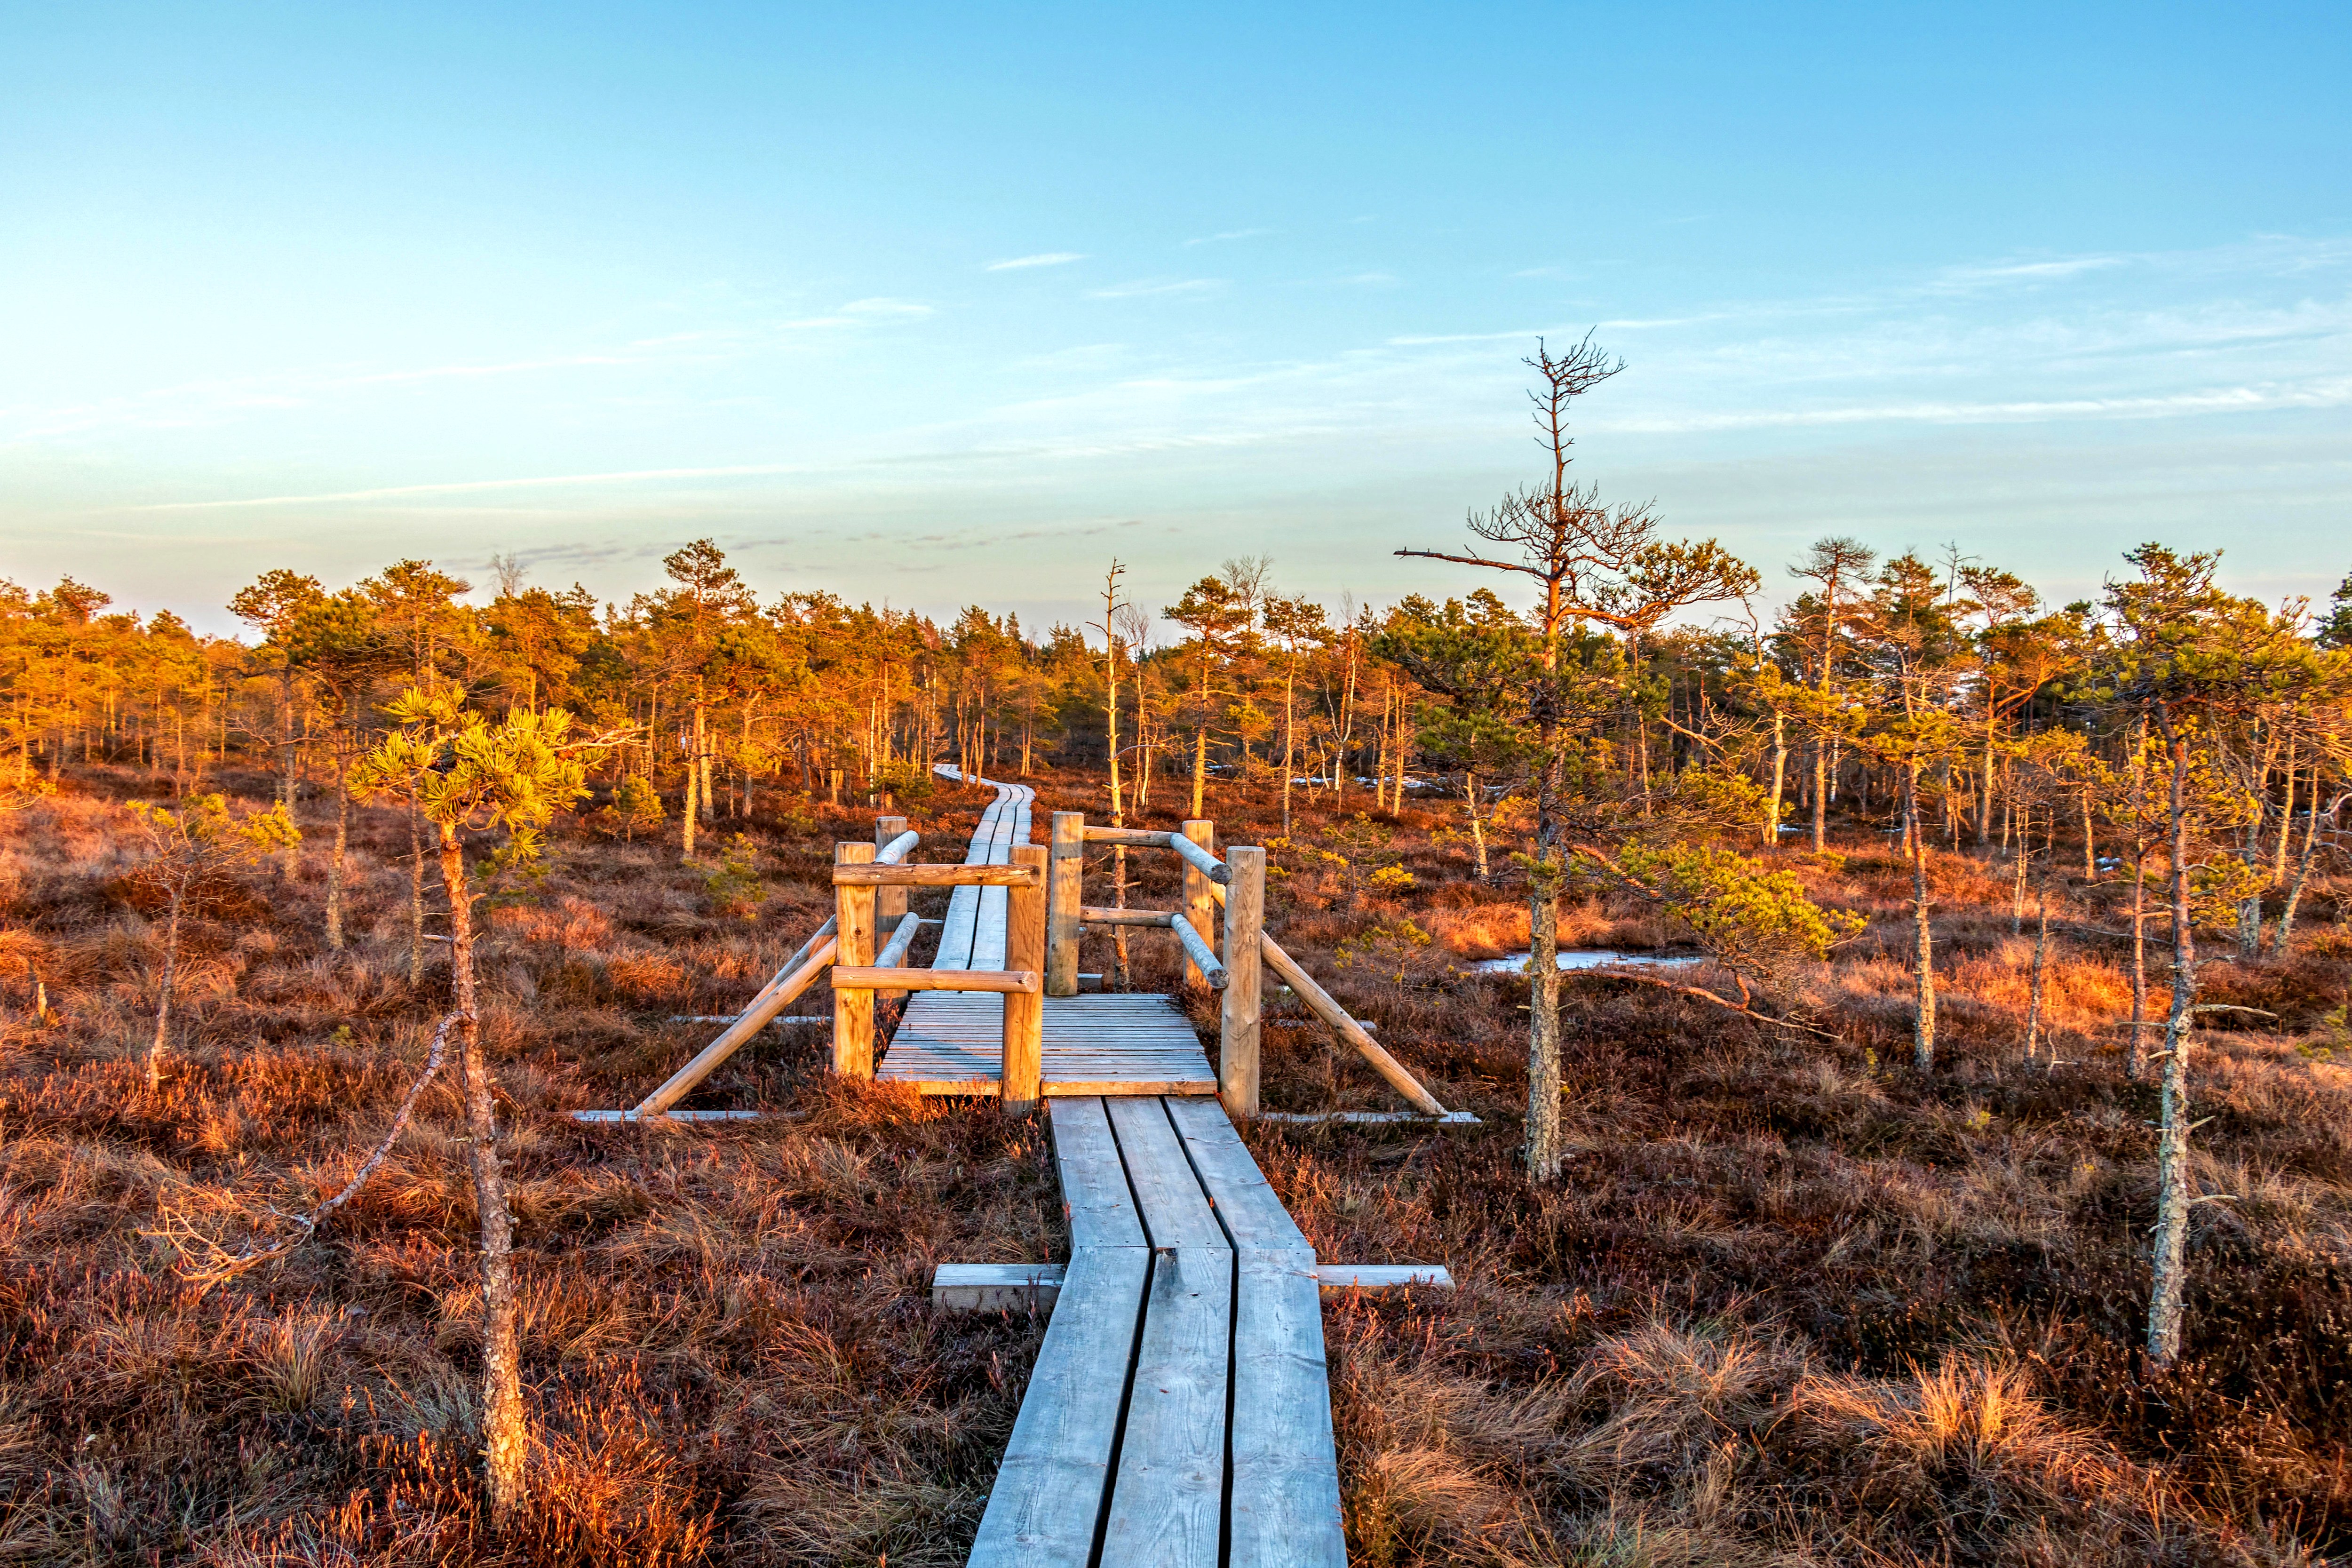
{"x":1982,"y":1195}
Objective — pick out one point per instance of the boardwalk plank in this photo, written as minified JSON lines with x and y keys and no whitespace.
{"x":1095,"y":1193}
{"x":1167,"y":1502}
{"x":1253,"y":1214}
{"x":1286,"y":1494}
{"x":1048,"y":1494}
{"x":1176,"y":1212}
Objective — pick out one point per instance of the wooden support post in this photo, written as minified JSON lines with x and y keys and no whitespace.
{"x":853,"y":1011}
{"x":1064,"y":875}
{"x":889,"y":903}
{"x":1237,"y":1073}
{"x":1024,"y":1014}
{"x":1200,"y":904}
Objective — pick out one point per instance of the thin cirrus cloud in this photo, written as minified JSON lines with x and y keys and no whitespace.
{"x":1230,"y":234}
{"x":1146,"y":287}
{"x":1043,"y":258}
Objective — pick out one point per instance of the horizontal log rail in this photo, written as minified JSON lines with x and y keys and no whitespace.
{"x":875,"y":874}
{"x":1100,"y":917}
{"x":1202,"y":860}
{"x":1133,"y":837}
{"x":897,"y":850}
{"x":875,"y":977}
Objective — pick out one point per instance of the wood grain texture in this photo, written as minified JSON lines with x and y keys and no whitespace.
{"x":1024,"y":1015}
{"x":1253,"y":1214}
{"x":1384,"y":1276}
{"x":867,"y":977}
{"x":1048,"y":1494}
{"x":1064,"y":876}
{"x":936,"y":877}
{"x":1175,"y":1210}
{"x":1286,"y":1496}
{"x":1332,"y":1013}
{"x":1095,"y":1193}
{"x":1166,"y":1503}
{"x":853,"y":1011}
{"x":1200,"y":909}
{"x":1238,"y":1016}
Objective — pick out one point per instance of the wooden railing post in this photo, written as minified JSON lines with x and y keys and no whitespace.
{"x":853,"y":1011}
{"x":1024,"y":1012}
{"x":1237,"y":1060}
{"x":1064,"y":874}
{"x":889,"y":903}
{"x":1199,"y":903}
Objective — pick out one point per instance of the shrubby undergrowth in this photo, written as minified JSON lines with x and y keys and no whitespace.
{"x":1792,"y":1303}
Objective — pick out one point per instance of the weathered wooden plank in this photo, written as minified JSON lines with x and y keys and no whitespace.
{"x":1133,"y":837}
{"x":1238,"y":1010}
{"x":1118,"y":1088}
{"x":1048,"y":1494}
{"x":1285,"y":1482}
{"x":996,"y":1287}
{"x":1167,"y":1505}
{"x":1175,"y":1210}
{"x":1095,"y":916}
{"x":852,"y":1010}
{"x":1369,"y":1118}
{"x":964,"y":876}
{"x":1253,"y":1214}
{"x":1384,"y":1276}
{"x":868,"y":977}
{"x":1094,"y":1192}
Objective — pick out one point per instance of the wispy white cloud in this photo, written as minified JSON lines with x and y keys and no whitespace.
{"x":1230,"y":234}
{"x":462,"y":487}
{"x":1043,"y":259}
{"x":2335,"y":393}
{"x":1144,"y":288}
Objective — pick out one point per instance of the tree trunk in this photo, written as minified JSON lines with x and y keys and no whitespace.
{"x":686,"y":814}
{"x":2136,"y":1063}
{"x":1544,"y":1154}
{"x":2041,"y":967}
{"x":416,"y":900}
{"x":1780,"y":777}
{"x":1923,"y":1029}
{"x":342,"y":844}
{"x":2166,"y":1296}
{"x":1477,"y":830}
{"x":505,"y":1436}
{"x":2301,"y":871}
{"x":160,"y":1045}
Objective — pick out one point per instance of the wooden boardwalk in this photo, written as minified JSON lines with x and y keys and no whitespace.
{"x":952,"y":1042}
{"x":1180,"y":1413}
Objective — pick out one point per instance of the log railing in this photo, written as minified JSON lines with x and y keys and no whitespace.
{"x":1238,"y":883}
{"x":860,"y":881}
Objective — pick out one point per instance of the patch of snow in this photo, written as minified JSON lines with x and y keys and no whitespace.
{"x":1588,"y":958}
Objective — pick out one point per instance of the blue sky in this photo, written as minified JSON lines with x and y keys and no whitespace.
{"x":933,"y":306}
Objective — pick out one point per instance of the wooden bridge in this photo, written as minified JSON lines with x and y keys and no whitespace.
{"x":1179,"y":1412}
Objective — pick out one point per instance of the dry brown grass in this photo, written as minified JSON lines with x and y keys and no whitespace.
{"x":1793,"y":1305}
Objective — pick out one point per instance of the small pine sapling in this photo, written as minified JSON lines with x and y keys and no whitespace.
{"x":199,"y":843}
